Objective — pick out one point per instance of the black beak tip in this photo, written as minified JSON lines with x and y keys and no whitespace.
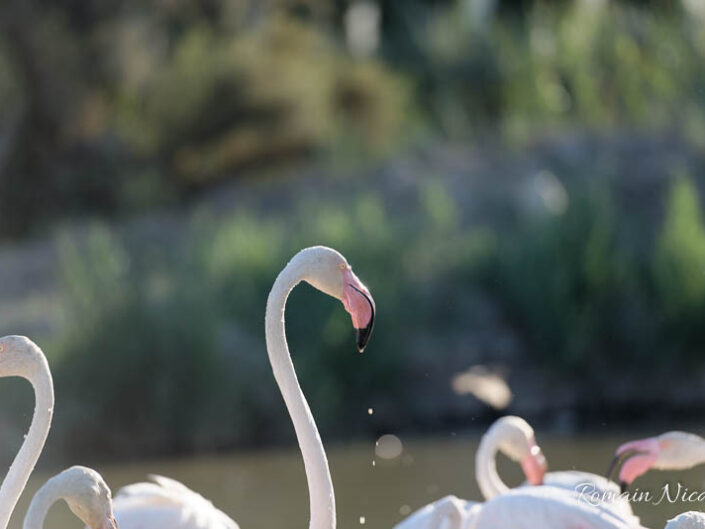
{"x":362,"y":337}
{"x":623,"y":486}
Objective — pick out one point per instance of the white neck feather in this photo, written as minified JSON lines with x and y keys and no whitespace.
{"x":27,"y":457}
{"x":42,"y":501}
{"x":320,"y":485}
{"x":486,"y":474}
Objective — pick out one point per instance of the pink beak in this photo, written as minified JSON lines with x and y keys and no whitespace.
{"x":361,"y":307}
{"x":636,"y":458}
{"x":534,"y":466}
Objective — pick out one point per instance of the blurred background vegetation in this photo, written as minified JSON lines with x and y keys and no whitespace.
{"x":518,"y":182}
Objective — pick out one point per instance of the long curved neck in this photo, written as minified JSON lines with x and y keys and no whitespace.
{"x":486,"y":474}
{"x":27,"y":457}
{"x":320,"y":485}
{"x":42,"y":501}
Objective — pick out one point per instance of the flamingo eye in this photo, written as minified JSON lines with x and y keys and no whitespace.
{"x":342,"y":266}
{"x":2,"y":348}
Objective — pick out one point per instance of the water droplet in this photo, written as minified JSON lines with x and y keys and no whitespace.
{"x":374,"y":463}
{"x":362,"y":520}
{"x":370,"y":411}
{"x":389,"y":447}
{"x":404,"y":510}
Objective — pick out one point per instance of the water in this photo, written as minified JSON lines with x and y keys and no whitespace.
{"x":267,"y":489}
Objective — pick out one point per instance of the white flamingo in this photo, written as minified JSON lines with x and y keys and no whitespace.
{"x":515,"y":438}
{"x":547,"y":508}
{"x":520,"y":508}
{"x":167,"y":504}
{"x":553,"y":508}
{"x":85,"y":492}
{"x":20,"y":357}
{"x":668,"y":451}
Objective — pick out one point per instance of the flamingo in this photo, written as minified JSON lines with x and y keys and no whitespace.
{"x":668,"y":451}
{"x":167,"y":504}
{"x":521,"y":508}
{"x":515,"y":438}
{"x":85,"y":492}
{"x":545,"y":507}
{"x":20,"y":357}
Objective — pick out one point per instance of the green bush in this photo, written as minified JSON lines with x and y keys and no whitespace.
{"x":679,"y":268}
{"x":168,"y":342}
{"x":566,"y":282}
{"x":167,"y":337}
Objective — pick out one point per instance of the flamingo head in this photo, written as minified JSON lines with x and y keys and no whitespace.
{"x":88,"y":497}
{"x":668,"y":451}
{"x":329,"y":272}
{"x":358,"y":301}
{"x":19,"y":356}
{"x":517,"y":441}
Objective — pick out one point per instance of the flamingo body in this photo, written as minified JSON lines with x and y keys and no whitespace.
{"x":592,"y":485}
{"x":166,"y":504}
{"x":547,"y":508}
{"x":447,"y":513}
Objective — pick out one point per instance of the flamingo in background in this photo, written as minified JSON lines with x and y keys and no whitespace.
{"x":515,"y":438}
{"x":547,"y":508}
{"x":85,"y":492}
{"x":520,"y":508}
{"x":20,"y":357}
{"x":668,"y":451}
{"x":167,"y":504}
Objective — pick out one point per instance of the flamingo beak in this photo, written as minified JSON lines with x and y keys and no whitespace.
{"x":362,"y":335}
{"x":534,"y":466}
{"x":361,"y":307}
{"x":632,"y":460}
{"x":617,"y":461}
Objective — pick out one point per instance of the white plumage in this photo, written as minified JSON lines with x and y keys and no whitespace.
{"x":546,"y":508}
{"x":593,"y":486}
{"x":167,"y":503}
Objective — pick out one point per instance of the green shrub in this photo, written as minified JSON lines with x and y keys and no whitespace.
{"x":679,"y":268}
{"x":569,"y":283}
{"x":168,"y":342}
